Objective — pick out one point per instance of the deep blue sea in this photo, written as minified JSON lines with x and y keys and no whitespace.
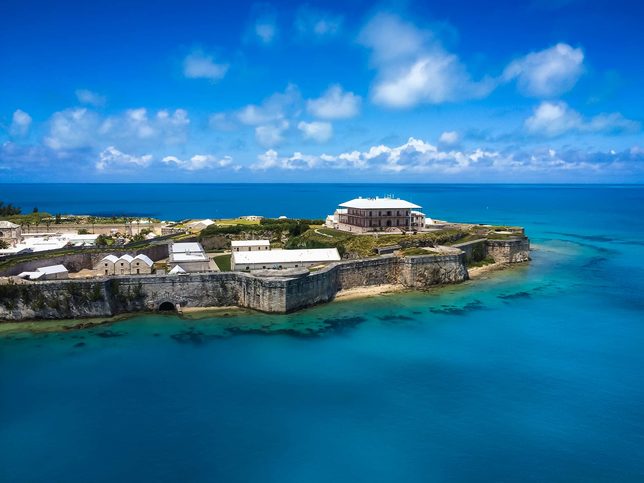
{"x":532,"y":374}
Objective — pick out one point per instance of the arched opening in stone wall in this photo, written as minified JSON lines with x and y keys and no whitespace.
{"x":167,"y":307}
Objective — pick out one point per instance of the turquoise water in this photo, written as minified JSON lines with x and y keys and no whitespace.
{"x":534,"y":374}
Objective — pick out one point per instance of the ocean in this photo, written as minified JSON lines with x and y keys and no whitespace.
{"x":531,"y":374}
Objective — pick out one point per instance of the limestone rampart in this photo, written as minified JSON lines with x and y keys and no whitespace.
{"x":108,"y":296}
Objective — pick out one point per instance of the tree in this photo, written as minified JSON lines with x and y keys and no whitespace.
{"x":8,"y":209}
{"x":35,"y":210}
{"x":3,"y":245}
{"x":101,"y":241}
{"x":58,"y":219}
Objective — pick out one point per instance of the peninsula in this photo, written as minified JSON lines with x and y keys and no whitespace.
{"x":274,"y":265}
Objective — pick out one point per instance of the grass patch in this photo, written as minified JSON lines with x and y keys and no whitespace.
{"x":481,"y":263}
{"x":223,"y":262}
{"x":365,"y":245}
{"x":235,"y":221}
{"x":414,"y":251}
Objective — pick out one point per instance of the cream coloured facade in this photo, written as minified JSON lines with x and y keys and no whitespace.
{"x":250,"y":245}
{"x":10,"y":233}
{"x":378,"y":214}
{"x":124,"y":265}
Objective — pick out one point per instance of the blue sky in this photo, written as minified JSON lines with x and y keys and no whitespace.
{"x":459,"y":91}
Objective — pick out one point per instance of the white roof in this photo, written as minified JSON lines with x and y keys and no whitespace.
{"x":176,"y":269}
{"x":379,"y":204}
{"x":31,"y":275}
{"x":418,"y":213}
{"x":250,"y":243}
{"x":7,"y":224}
{"x":188,"y":257}
{"x":52,"y":269}
{"x":286,"y":256}
{"x":206,"y":222}
{"x":111,"y":258}
{"x":145,"y":259}
{"x":127,"y":258}
{"x":186,"y":247}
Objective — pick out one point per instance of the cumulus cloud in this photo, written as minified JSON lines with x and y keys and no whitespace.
{"x":335,"y":104}
{"x":419,"y":157}
{"x":113,"y":158}
{"x":20,"y":123}
{"x":311,"y":21}
{"x":449,"y":138}
{"x":72,"y":128}
{"x":316,"y":131}
{"x":547,"y":73}
{"x":278,"y":106}
{"x":271,"y":159}
{"x":199,"y":65}
{"x":86,"y":96}
{"x":134,"y":128}
{"x":271,"y":134}
{"x":414,"y":68}
{"x":199,"y":162}
{"x":556,"y":118}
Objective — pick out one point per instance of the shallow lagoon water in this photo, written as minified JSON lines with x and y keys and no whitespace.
{"x":532,"y":374}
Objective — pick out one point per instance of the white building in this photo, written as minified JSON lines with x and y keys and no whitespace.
{"x":199,"y":225}
{"x":377,"y":214}
{"x":278,"y":259}
{"x":52,"y":272}
{"x":88,"y":240}
{"x":191,"y":257}
{"x":417,"y":220}
{"x":124,"y":265}
{"x":141,"y":265}
{"x":250,"y":245}
{"x":10,"y":232}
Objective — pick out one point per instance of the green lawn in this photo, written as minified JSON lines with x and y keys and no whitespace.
{"x":223,"y":262}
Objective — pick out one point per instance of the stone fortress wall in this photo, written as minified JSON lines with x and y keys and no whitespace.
{"x":105,"y":297}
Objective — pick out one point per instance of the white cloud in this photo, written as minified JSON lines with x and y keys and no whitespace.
{"x":134,"y":128}
{"x":86,"y":96}
{"x":419,"y":157}
{"x":271,"y":159}
{"x":265,"y":29}
{"x":335,"y":104}
{"x":199,"y":65}
{"x":278,"y":106}
{"x":317,"y":131}
{"x":414,"y":68}
{"x":310,"y":21}
{"x":199,"y":162}
{"x":20,"y":123}
{"x":547,"y":73}
{"x":449,"y":138}
{"x":72,"y":128}
{"x":112,"y":157}
{"x":271,"y":134}
{"x":556,"y":118}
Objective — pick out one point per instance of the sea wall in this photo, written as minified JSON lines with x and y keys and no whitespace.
{"x":514,"y":250}
{"x":104,"y":297}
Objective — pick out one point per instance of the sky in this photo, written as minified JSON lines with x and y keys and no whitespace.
{"x":535,"y":91}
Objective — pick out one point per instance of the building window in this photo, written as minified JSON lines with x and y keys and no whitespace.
{"x":137,"y":271}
